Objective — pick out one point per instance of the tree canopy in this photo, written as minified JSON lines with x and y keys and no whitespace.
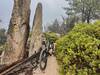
{"x":86,"y":9}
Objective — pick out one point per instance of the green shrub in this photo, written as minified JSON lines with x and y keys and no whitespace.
{"x":51,"y":36}
{"x":91,"y":29}
{"x":78,"y":52}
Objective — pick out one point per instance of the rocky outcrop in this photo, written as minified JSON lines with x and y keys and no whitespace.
{"x":18,"y":30}
{"x":35,"y":40}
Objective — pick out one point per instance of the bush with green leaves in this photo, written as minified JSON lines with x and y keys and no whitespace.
{"x":78,"y":52}
{"x":91,"y":29}
{"x":51,"y":36}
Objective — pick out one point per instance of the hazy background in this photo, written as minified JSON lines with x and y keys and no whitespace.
{"x":52,"y":9}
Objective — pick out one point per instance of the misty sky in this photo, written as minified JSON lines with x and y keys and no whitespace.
{"x":52,"y":9}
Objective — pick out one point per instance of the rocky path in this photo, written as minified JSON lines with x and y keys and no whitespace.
{"x":51,"y":69}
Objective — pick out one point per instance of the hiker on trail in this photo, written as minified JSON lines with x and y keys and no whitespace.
{"x":52,"y":45}
{"x":51,"y":48}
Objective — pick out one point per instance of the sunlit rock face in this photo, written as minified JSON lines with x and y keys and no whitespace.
{"x":18,"y":30}
{"x":35,"y":40}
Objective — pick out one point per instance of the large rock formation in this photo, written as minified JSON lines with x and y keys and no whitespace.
{"x":18,"y":30}
{"x":35,"y":40}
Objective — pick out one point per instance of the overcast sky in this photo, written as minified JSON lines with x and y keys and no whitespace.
{"x":52,"y":9}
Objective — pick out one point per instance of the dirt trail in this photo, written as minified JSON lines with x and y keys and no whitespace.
{"x":51,"y":69}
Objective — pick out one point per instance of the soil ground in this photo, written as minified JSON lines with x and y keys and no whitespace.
{"x":51,"y":69}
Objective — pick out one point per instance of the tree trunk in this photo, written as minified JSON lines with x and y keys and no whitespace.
{"x":18,"y":30}
{"x":83,"y":18}
{"x":88,"y":19}
{"x":35,"y":40}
